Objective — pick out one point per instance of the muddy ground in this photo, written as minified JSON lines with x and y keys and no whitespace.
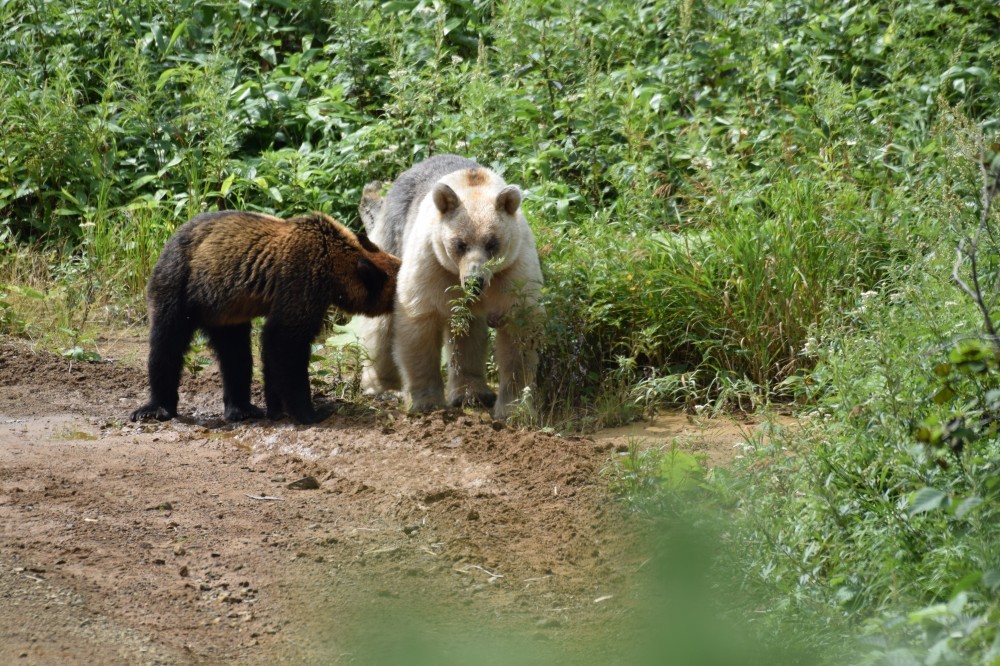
{"x":444,"y":538}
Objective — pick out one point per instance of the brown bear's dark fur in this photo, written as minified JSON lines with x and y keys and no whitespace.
{"x":221,"y":270}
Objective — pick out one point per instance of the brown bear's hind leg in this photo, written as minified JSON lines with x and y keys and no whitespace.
{"x":231,"y":345}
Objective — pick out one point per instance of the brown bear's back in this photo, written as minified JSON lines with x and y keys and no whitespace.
{"x":233,"y":266}
{"x":235,"y":260}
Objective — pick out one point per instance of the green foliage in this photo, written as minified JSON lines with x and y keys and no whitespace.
{"x":10,"y":322}
{"x":198,"y":358}
{"x":643,"y":473}
{"x":79,"y":353}
{"x":335,"y":365}
{"x":885,"y":507}
{"x":710,"y":180}
{"x":463,"y":297}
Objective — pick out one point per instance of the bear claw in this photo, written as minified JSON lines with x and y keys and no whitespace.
{"x":151,"y":411}
{"x":481,"y":399}
{"x":243,"y":413}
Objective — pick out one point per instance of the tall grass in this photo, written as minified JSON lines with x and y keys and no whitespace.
{"x":874,"y":525}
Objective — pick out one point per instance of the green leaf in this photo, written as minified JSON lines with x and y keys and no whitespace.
{"x":944,"y":394}
{"x":156,"y":32}
{"x":927,"y":499}
{"x":942,"y":369}
{"x":139,"y":182}
{"x":227,"y":184}
{"x":177,"y":33}
{"x":967,"y":505}
{"x":29,"y":292}
{"x":80,"y":354}
{"x":679,"y":470}
{"x":967,"y":582}
{"x":167,"y":76}
{"x":929,"y":434}
{"x":398,"y":7}
{"x":928,"y":613}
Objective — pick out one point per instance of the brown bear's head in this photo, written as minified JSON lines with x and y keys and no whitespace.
{"x":376,"y":270}
{"x":353,"y":273}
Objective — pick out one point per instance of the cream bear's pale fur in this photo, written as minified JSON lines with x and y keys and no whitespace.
{"x":454,"y":222}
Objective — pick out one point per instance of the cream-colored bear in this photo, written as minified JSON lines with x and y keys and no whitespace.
{"x":454,"y":222}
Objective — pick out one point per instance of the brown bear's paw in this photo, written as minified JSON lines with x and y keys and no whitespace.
{"x":243,"y":412}
{"x":153,"y":411}
{"x":321,"y":412}
{"x":305,"y":415}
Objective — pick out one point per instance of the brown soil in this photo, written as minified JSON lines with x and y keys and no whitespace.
{"x":183,"y":542}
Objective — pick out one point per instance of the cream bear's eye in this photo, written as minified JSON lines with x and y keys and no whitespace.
{"x":492,"y":245}
{"x":459,"y":246}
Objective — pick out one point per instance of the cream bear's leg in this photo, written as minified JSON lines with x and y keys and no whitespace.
{"x":517,"y":361}
{"x":467,"y":367}
{"x":380,"y":373}
{"x":417,"y":352}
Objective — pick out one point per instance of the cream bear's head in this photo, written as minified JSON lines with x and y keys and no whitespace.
{"x":481,"y":225}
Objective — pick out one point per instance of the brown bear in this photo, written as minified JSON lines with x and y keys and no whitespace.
{"x":221,"y":270}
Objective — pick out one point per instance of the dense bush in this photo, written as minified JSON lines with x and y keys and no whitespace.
{"x":747,"y":132}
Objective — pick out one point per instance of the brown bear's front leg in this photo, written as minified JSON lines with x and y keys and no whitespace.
{"x":231,"y":345}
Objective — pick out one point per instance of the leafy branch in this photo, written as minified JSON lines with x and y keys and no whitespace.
{"x":968,"y":248}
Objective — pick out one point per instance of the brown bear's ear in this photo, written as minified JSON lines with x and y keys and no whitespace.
{"x":371,"y":275}
{"x":445,"y":198}
{"x":366,"y":242}
{"x":509,"y":199}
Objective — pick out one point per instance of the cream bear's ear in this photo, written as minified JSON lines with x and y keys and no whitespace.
{"x":509,"y":199}
{"x":445,"y":198}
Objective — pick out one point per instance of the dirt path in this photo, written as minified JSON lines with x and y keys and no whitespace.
{"x":445,"y":536}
